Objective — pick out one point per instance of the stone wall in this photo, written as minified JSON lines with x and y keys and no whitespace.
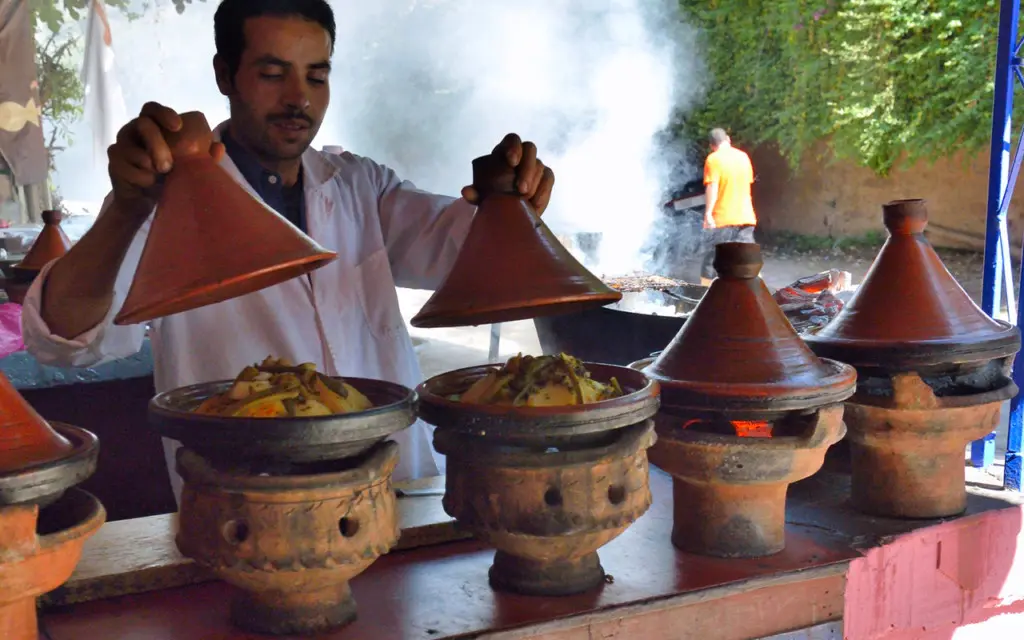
{"x":830,"y":197}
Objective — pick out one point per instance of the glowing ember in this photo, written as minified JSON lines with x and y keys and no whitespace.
{"x":740,"y":428}
{"x":753,"y":428}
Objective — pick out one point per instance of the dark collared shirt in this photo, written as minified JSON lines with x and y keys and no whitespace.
{"x":290,"y":202}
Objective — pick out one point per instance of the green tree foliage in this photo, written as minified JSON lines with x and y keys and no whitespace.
{"x":882,"y":81}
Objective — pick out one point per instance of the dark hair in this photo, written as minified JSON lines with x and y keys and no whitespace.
{"x":718,"y":136}
{"x":229,"y":22}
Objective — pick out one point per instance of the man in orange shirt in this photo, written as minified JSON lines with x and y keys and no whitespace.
{"x":729,"y":213}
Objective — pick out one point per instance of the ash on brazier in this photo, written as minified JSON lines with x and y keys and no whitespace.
{"x":933,"y":371}
{"x":287,"y":509}
{"x":747,"y":409}
{"x":44,"y":520}
{"x":547,"y":486}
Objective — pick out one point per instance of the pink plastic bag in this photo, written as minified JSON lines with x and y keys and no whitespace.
{"x":10,"y":329}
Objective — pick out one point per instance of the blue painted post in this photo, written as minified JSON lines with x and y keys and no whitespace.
{"x":983,"y":451}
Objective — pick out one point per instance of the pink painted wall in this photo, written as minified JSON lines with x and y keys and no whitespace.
{"x":958,"y":580}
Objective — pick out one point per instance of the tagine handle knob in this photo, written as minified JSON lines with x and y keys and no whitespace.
{"x":193,"y":138}
{"x":905,"y":217}
{"x":738,"y":260}
{"x":493,"y":175}
{"x":51,"y":216}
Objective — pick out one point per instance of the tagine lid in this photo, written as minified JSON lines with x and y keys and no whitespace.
{"x":510,"y":266}
{"x":738,"y":351}
{"x":50,"y":244}
{"x":210,"y":240}
{"x":910,"y":311}
{"x":27,"y":441}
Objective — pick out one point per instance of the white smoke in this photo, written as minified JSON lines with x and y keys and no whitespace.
{"x":425,"y":86}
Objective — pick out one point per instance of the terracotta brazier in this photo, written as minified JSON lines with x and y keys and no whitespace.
{"x":547,"y":486}
{"x":291,"y":544}
{"x":43,"y":520}
{"x":289,"y":509}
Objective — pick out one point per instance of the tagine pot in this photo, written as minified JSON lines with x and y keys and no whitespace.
{"x":210,"y":240}
{"x":510,"y":266}
{"x":747,"y":409}
{"x":933,"y":373}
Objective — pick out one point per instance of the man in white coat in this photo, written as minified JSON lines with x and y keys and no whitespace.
{"x":273,"y":62}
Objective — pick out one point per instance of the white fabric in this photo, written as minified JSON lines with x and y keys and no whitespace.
{"x":104,"y":107}
{"x":386,"y":233}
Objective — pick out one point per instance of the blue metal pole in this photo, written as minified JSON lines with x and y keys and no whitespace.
{"x":983,"y":451}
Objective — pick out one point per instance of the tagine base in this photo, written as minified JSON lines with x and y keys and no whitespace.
{"x":290,"y":544}
{"x":547,"y":512}
{"x":38,"y":554}
{"x":729,"y":492}
{"x":18,"y":620}
{"x":910,"y":463}
{"x":729,"y":521}
{"x":287,"y":613}
{"x":907,"y":447}
{"x":527,"y":577}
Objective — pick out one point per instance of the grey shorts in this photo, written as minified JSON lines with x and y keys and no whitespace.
{"x":715,"y":237}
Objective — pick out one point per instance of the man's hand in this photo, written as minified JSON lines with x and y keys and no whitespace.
{"x":533,"y":178}
{"x":141,"y":156}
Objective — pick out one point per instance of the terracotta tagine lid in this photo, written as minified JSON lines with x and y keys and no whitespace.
{"x":511,"y":266}
{"x":50,"y":244}
{"x":26,"y":440}
{"x":739,"y":352}
{"x":210,"y":240}
{"x":910,"y":311}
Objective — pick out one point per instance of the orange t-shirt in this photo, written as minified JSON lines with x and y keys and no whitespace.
{"x":731,"y":169}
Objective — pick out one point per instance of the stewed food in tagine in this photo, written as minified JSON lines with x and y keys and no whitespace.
{"x":276,"y":388}
{"x":542,"y":381}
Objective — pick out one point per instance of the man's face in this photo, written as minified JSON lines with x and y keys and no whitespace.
{"x":281,"y":90}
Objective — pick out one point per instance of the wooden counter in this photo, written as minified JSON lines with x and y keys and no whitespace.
{"x":654,"y":591}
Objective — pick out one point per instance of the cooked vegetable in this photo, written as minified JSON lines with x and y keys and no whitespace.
{"x":542,"y":381}
{"x":276,"y":388}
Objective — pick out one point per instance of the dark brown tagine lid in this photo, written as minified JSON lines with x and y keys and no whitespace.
{"x":738,"y":351}
{"x":210,"y":240}
{"x":511,"y":266}
{"x":910,"y":311}
{"x":26,"y":440}
{"x":50,"y":244}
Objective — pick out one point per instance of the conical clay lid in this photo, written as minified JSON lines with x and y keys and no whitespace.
{"x":739,"y":351}
{"x":511,"y":266}
{"x":50,"y":244}
{"x":910,"y":311}
{"x":210,"y":240}
{"x":26,"y":440}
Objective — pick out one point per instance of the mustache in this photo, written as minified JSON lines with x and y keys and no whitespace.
{"x":293,"y":115}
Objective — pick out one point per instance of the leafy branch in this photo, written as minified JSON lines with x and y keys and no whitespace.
{"x":62,"y":94}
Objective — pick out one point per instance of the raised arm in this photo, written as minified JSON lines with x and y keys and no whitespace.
{"x":68,"y":311}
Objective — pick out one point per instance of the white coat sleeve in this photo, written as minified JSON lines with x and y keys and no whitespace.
{"x":104,"y":342}
{"x":423,"y":232}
